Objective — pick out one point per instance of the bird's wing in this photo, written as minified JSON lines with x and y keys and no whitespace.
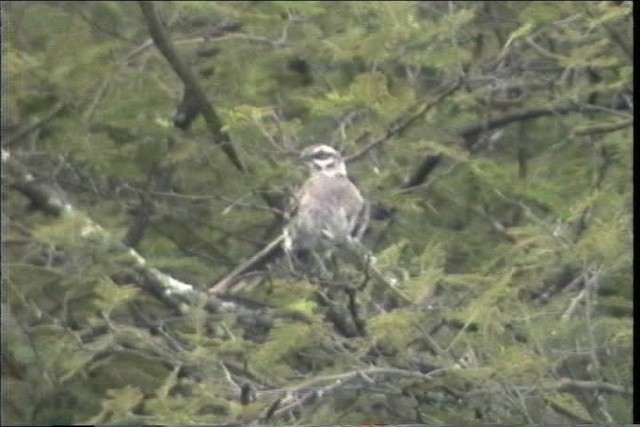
{"x":361,"y":222}
{"x":293,"y":204}
{"x":291,"y":209}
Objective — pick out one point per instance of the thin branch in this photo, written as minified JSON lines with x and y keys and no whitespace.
{"x":288,"y":403}
{"x":97,"y":26}
{"x":519,"y":116}
{"x":364,"y":259}
{"x":545,"y":53}
{"x":190,"y":81}
{"x":590,"y":283}
{"x":562,"y":385}
{"x":429,"y":163}
{"x":227,"y":281}
{"x":618,"y":38}
{"x":602,"y":128}
{"x":620,"y":109}
{"x":398,"y":129}
{"x":229,"y":204}
{"x":21,"y":133}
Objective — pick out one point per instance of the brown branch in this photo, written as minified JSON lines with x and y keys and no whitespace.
{"x":140,"y":223}
{"x":287,"y":404}
{"x":227,"y":281}
{"x":190,"y":81}
{"x":399,"y":128}
{"x":429,"y":163}
{"x":519,"y":116}
{"x":21,"y":133}
{"x":363,"y":260}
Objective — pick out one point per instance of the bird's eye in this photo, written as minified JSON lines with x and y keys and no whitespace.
{"x":322,"y":155}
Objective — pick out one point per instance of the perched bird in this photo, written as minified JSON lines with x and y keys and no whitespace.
{"x":328,"y":209}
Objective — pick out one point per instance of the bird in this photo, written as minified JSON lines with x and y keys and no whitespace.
{"x":328,"y":210}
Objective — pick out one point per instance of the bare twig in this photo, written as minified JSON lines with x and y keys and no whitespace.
{"x":234,"y":385}
{"x":562,"y":385}
{"x":399,"y":128}
{"x":589,"y":282}
{"x":519,"y":116}
{"x":363,"y":258}
{"x":21,"y":133}
{"x":337,"y":381}
{"x":618,"y":38}
{"x":227,"y":281}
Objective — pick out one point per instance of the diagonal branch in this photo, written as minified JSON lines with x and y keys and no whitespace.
{"x":399,"y":128}
{"x":191,"y":83}
{"x":22,"y":132}
{"x":429,"y":163}
{"x":227,"y":281}
{"x":172,"y":292}
{"x":313,"y":390}
{"x":518,"y":116}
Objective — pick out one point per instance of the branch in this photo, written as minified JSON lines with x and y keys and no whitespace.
{"x":364,"y":260}
{"x":567,"y":412}
{"x":519,"y":116}
{"x":562,"y":385}
{"x":421,"y":173}
{"x":41,"y":197}
{"x":290,"y":402}
{"x":20,"y":133}
{"x":191,"y":83}
{"x":169,"y":290}
{"x":618,"y":38}
{"x":398,"y":129}
{"x":572,"y":385}
{"x":602,"y":128}
{"x":227,"y":281}
{"x":429,"y":163}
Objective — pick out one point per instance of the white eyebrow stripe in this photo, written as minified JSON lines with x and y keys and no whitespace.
{"x":324,"y":163}
{"x":324,"y":149}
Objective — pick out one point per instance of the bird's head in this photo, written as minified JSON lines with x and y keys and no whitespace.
{"x":323,"y":159}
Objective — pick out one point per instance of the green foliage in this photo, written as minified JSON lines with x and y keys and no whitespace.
{"x":515,"y":249}
{"x":109,"y":295}
{"x":120,"y":402}
{"x":284,"y":341}
{"x":393,"y":329}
